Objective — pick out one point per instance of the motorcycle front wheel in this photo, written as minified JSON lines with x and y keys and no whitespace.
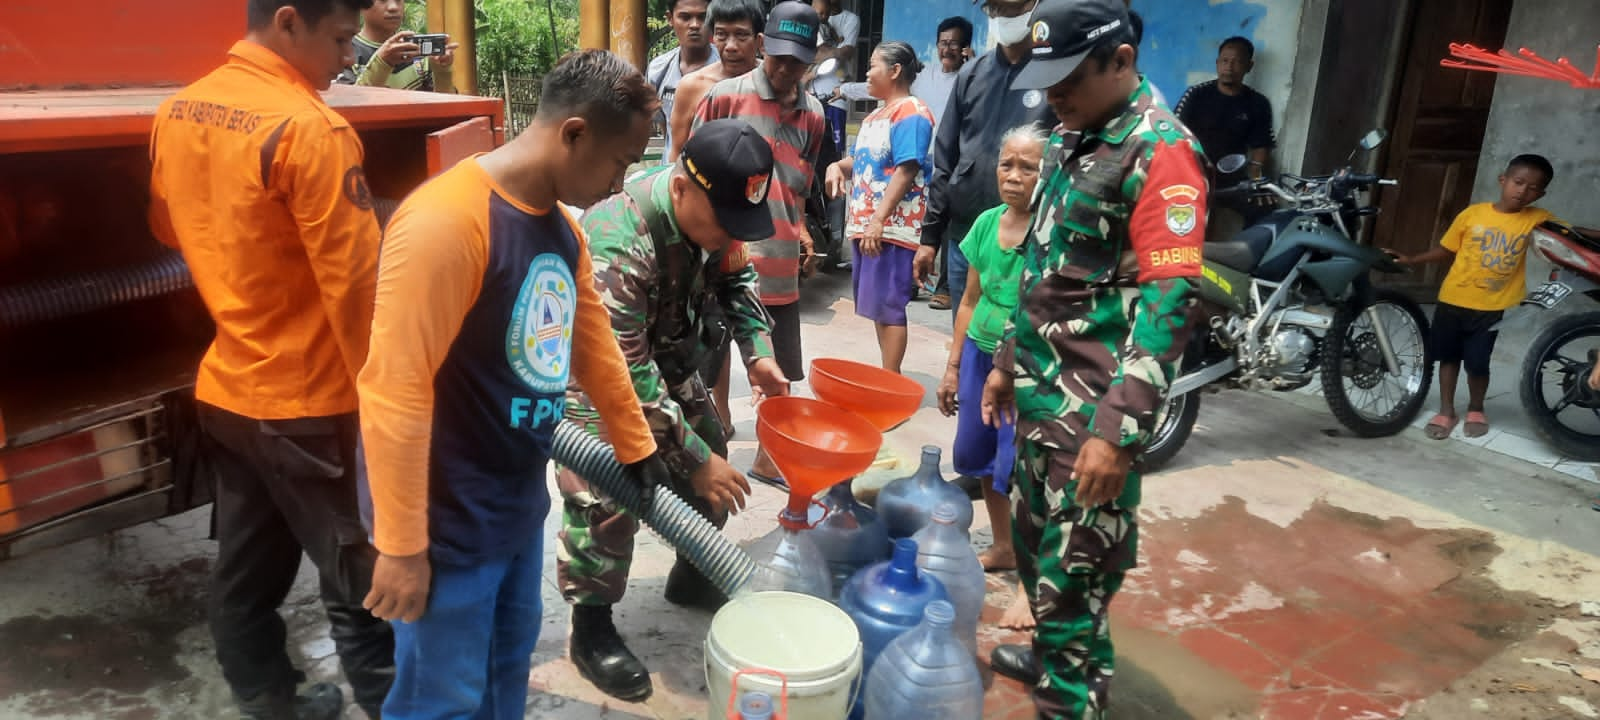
{"x":1359,"y":389}
{"x":1555,"y":386}
{"x":1174,"y":424}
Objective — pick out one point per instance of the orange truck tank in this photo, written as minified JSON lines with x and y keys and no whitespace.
{"x":100,"y":327}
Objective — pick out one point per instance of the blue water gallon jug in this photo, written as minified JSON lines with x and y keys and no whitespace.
{"x":850,"y":537}
{"x":886,"y":600}
{"x":905,"y":504}
{"x":944,"y":551}
{"x":789,"y":560}
{"x":925,"y":674}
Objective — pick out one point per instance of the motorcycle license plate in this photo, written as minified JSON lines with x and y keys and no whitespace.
{"x":1548,"y":295}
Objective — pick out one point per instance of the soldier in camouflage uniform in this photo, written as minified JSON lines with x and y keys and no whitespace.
{"x":665,"y":249}
{"x":1108,"y":280}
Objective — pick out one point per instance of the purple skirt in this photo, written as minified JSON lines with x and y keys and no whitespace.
{"x":883,"y":284}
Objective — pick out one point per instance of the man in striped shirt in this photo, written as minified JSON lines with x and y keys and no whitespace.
{"x":769,"y":98}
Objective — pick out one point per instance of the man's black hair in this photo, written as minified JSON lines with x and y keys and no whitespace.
{"x":1243,"y":43}
{"x":672,"y":6}
{"x":258,"y":13}
{"x":599,"y":87}
{"x":732,"y":11}
{"x":1533,"y":162}
{"x":957,"y":23}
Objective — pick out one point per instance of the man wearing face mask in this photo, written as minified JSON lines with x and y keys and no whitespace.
{"x":982,"y":107}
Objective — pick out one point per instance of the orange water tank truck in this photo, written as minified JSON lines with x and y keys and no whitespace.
{"x":100,"y":327}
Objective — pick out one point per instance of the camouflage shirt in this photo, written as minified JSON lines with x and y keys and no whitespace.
{"x":656,"y":289}
{"x":1107,"y":279}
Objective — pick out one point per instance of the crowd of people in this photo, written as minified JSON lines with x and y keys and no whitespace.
{"x":390,"y":413}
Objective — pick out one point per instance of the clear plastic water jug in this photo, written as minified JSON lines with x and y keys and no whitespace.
{"x":789,"y":560}
{"x":905,"y":504}
{"x":886,"y":600}
{"x":925,"y":674}
{"x":944,"y":551}
{"x":850,"y":537}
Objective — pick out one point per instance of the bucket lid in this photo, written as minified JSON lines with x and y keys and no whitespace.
{"x":806,"y":638}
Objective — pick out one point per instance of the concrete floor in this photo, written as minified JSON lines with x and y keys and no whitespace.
{"x":1287,"y":571}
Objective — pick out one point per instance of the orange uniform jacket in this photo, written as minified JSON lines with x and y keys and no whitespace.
{"x":259,"y":183}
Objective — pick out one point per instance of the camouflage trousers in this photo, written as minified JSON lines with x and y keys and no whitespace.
{"x":1072,"y":560}
{"x":595,"y":550}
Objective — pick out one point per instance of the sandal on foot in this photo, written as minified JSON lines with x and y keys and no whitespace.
{"x":940,"y":301}
{"x":1440,"y":426}
{"x":776,"y":481}
{"x":1477,"y":424}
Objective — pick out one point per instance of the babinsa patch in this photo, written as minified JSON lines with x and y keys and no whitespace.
{"x":355,"y":188}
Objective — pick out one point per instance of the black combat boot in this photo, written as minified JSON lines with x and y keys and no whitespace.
{"x":322,"y":701}
{"x":687,"y":587}
{"x":1015,"y":662}
{"x":602,"y":658}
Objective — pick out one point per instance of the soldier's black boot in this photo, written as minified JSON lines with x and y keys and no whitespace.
{"x":687,"y":587}
{"x":1015,"y":662}
{"x":322,"y":701}
{"x":602,"y":658}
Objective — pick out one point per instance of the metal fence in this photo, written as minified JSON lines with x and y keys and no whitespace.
{"x":521,"y":95}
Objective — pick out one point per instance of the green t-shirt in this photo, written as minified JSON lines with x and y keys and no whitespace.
{"x":999,"y":274}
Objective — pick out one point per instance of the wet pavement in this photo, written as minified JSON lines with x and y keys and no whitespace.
{"x":1287,"y":570}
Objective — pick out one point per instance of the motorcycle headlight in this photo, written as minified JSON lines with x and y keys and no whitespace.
{"x":1560,"y":252}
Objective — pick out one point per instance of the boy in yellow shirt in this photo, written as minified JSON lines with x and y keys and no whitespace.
{"x":1486,"y":246}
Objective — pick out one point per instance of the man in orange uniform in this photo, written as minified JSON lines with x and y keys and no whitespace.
{"x":259,"y":183}
{"x":486,"y":305}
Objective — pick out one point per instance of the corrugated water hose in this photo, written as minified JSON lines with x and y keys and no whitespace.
{"x":721,"y":561}
{"x":60,"y":297}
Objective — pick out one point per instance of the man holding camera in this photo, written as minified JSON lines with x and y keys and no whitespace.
{"x":387,"y":56}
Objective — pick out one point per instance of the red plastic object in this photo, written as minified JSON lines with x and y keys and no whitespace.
{"x":884,"y":398}
{"x":815,"y":445}
{"x":1528,"y":65}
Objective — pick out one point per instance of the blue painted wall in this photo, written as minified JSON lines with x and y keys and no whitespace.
{"x":1181,"y":39}
{"x":917,"y":22}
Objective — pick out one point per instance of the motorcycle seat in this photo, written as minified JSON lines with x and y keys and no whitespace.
{"x":1235,"y":254}
{"x":1590,"y":239}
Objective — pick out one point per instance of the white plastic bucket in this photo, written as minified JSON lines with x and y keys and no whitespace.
{"x":801,"y":650}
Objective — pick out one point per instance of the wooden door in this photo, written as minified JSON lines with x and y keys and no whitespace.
{"x":1438,"y":128}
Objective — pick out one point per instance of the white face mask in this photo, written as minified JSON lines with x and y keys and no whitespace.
{"x":1009,"y":31}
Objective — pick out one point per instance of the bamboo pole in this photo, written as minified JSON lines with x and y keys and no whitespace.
{"x":629,"y":35}
{"x":461,"y":23}
{"x":594,"y":24}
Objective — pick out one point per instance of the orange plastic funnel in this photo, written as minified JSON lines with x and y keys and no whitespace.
{"x":884,"y":398}
{"x":814,"y":445}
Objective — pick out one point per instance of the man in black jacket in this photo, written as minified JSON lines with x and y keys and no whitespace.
{"x":982,"y":108}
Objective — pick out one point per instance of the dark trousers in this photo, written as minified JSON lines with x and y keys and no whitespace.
{"x":287,"y":487}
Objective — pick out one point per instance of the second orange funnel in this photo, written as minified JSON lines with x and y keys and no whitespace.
{"x":884,"y":398}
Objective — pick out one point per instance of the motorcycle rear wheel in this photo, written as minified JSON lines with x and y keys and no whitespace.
{"x":1363,"y":395}
{"x":1547,"y":368}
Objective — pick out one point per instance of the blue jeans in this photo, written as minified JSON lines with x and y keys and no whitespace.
{"x":956,"y":264}
{"x":469,"y":655}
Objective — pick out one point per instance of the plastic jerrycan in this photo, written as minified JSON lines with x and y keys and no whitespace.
{"x":886,"y":600}
{"x":925,"y":674}
{"x":944,"y":551}
{"x":850,"y":536}
{"x":905,"y":504}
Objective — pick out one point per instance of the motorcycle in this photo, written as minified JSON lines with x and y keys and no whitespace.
{"x":1555,"y":375}
{"x":1290,"y":298}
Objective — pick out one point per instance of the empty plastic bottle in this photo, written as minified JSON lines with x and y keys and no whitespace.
{"x":755,"y":706}
{"x":945,"y":552}
{"x":925,"y":674}
{"x":905,"y":504}
{"x":789,"y":560}
{"x":886,"y":600}
{"x":851,"y":537}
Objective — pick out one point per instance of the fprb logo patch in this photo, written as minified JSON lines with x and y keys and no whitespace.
{"x":1181,"y":215}
{"x":539,"y":341}
{"x":355,"y":188}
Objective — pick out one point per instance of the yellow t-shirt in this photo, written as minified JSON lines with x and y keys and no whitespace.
{"x":1490,"y":248}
